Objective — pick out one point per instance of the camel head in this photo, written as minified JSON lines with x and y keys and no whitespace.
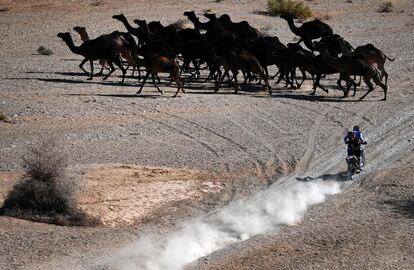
{"x":288,"y":16}
{"x":79,"y":29}
{"x":190,"y":14}
{"x":119,"y":17}
{"x":141,"y":23}
{"x":64,"y":36}
{"x":210,"y":16}
{"x":225,"y":19}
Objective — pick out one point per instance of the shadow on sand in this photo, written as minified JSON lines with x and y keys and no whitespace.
{"x":403,"y":207}
{"x":340,"y":177}
{"x":119,"y":95}
{"x":197,"y":87}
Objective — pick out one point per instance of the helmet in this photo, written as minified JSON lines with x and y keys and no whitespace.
{"x":356,"y":128}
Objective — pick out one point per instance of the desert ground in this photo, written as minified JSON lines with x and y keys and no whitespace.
{"x":150,"y":163}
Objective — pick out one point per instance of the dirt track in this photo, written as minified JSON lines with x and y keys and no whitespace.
{"x":239,"y":143}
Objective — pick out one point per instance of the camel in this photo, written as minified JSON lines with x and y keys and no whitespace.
{"x":370,"y":53}
{"x":95,"y":49}
{"x":240,"y":59}
{"x":125,"y":45}
{"x":347,"y":66}
{"x":154,"y":64}
{"x":309,"y":30}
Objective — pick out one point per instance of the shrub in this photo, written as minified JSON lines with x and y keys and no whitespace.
{"x":3,"y":117}
{"x":46,"y":192}
{"x":43,"y":51}
{"x":97,"y":3}
{"x":295,"y":7}
{"x":387,"y":7}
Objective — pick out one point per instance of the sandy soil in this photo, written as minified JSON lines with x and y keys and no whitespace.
{"x":150,"y":161}
{"x":123,"y":195}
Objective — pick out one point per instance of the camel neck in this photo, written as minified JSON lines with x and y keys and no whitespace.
{"x":293,"y":27}
{"x":327,"y":57}
{"x":196,"y":23}
{"x":127,"y":25}
{"x":213,"y":24}
{"x":344,"y":48}
{"x":71,"y":45}
{"x":84,"y":36}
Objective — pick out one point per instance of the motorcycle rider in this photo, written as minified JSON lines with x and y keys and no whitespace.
{"x":354,"y":148}
{"x":362,"y":141}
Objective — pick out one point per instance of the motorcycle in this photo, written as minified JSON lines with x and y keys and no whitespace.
{"x":353,"y":166}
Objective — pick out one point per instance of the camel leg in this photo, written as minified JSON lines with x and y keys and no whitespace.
{"x":367,"y":80}
{"x":102,"y":68}
{"x":235,"y":80}
{"x":264,"y":76}
{"x":220,"y":81}
{"x":292,"y":78}
{"x":153,"y":81}
{"x":228,"y":77}
{"x":197,"y":69}
{"x":81,"y":66}
{"x":353,"y":83}
{"x":383,"y":74}
{"x":377,"y":81}
{"x":112,"y":69}
{"x":118,"y":63}
{"x":303,"y":78}
{"x":139,"y":70}
{"x":176,"y":78}
{"x":133,"y":70}
{"x":209,"y":76}
{"x":266,"y":71}
{"x":182,"y":81}
{"x":91,"y":75}
{"x":185,"y":63}
{"x":308,"y":43}
{"x":317,"y":83}
{"x":281,"y":75}
{"x":217,"y":75}
{"x":343,"y":77}
{"x":245,"y":75}
{"x":274,"y":76}
{"x":143,"y":82}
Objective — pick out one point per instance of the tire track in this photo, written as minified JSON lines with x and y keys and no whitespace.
{"x":193,"y":138}
{"x":303,"y":164}
{"x":269,"y":165}
{"x":238,"y":146}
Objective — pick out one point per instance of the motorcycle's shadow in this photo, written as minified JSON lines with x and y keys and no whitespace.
{"x":340,"y":177}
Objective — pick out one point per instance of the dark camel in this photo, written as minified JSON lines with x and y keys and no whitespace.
{"x":95,"y":49}
{"x":309,"y":30}
{"x":348,"y":66}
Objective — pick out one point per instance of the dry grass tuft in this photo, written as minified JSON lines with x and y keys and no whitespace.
{"x":46,"y":193}
{"x":295,"y":7}
{"x":43,"y":51}
{"x":97,"y":3}
{"x":3,"y":117}
{"x":387,"y":7}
